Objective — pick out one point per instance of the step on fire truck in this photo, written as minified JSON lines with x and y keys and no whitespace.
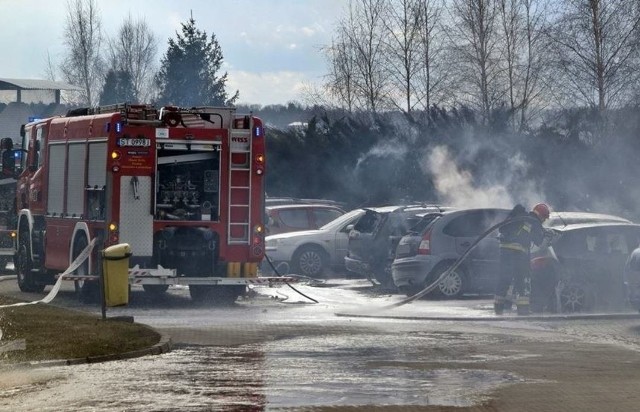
{"x":183,"y":187}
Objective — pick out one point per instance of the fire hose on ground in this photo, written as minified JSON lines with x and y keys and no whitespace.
{"x":275,"y":270}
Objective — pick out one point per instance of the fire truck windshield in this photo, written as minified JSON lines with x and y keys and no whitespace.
{"x":187,"y":185}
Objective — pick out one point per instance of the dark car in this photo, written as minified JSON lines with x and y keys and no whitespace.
{"x":583,"y":269}
{"x":373,"y":239}
{"x":297,"y":217}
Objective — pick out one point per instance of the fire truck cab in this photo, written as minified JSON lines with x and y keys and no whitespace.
{"x":183,"y":187}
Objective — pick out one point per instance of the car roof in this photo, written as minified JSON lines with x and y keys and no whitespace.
{"x":569,"y":218}
{"x":591,"y":225}
{"x":417,"y":207}
{"x":275,"y":201}
{"x":304,"y":205}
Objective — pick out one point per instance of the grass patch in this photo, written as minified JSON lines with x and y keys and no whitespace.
{"x":52,"y":333}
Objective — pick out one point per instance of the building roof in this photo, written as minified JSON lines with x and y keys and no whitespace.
{"x":35,"y":84}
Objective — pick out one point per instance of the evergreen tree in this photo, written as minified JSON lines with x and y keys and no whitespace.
{"x":188,"y":74}
{"x":118,"y":88}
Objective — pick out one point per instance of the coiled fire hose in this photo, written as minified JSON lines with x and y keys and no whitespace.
{"x":457,"y":263}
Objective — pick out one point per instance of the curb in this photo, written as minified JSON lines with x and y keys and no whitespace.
{"x":603,"y":316}
{"x":163,"y":346}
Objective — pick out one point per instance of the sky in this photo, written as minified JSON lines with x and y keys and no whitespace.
{"x":271,"y":48}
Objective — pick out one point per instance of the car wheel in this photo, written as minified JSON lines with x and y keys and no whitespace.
{"x":576,"y":297}
{"x":26,"y":280}
{"x":309,"y":261}
{"x":451,"y":287}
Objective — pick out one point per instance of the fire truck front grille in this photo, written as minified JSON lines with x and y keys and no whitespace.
{"x":191,"y":251}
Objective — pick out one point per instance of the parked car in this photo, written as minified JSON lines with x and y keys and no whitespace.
{"x":431,"y":248}
{"x":373,"y":239}
{"x":312,"y":252}
{"x":583,"y":269}
{"x":296,"y":217}
{"x":433,"y":245}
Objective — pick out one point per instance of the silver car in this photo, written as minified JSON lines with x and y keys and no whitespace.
{"x":312,"y":252}
{"x":435,"y":244}
{"x":424,"y":254}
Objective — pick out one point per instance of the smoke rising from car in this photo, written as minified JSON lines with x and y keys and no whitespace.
{"x":459,"y":188}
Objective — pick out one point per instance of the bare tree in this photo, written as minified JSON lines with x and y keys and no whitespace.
{"x":433,"y":66}
{"x":595,"y":44}
{"x":402,"y":49}
{"x":523,"y":54}
{"x":82,"y":64}
{"x":133,"y":50}
{"x":364,"y":31}
{"x":340,"y":80}
{"x":475,"y":37}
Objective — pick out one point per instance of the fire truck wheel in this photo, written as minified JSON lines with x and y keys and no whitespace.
{"x":26,"y":281}
{"x":155,"y":290}
{"x":309,"y":261}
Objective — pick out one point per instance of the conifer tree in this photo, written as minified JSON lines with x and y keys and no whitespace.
{"x":189,"y":72}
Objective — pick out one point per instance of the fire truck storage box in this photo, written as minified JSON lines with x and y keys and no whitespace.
{"x":115,"y":267}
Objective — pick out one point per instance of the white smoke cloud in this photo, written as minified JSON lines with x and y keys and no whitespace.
{"x":458,"y":188}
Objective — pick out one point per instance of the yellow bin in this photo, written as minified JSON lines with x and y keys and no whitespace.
{"x":115,"y":270}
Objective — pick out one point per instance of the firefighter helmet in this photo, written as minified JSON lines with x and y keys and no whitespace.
{"x":542,"y":211}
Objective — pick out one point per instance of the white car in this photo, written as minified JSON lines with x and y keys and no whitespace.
{"x":311,"y":252}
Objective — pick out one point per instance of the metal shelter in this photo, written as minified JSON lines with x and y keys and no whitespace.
{"x":35,"y":84}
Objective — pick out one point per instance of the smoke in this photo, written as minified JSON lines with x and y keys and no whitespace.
{"x":392,"y":149}
{"x":494,"y":186}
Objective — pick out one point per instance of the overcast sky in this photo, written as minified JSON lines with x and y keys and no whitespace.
{"x":271,"y":48}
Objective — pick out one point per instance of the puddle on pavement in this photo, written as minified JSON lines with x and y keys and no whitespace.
{"x":333,"y":371}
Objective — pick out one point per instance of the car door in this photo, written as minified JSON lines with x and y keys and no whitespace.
{"x":341,"y":241}
{"x":482,"y":263}
{"x":363,"y":237}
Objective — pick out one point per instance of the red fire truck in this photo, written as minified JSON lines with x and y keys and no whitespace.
{"x":183,"y":187}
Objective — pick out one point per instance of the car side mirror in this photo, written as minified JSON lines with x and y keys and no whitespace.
{"x":349,"y":228}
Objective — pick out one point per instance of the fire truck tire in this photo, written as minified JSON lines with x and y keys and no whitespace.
{"x":26,"y":280}
{"x":216,"y":294}
{"x":155,"y":290}
{"x":309,"y":261}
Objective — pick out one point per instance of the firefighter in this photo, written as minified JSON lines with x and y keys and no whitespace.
{"x":516,"y":238}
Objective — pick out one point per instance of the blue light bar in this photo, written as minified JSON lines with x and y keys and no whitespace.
{"x":118,"y":127}
{"x":258,"y":131}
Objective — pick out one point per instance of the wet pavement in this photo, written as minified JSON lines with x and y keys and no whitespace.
{"x":277,"y":350}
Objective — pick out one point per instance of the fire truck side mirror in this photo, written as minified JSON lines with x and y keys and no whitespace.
{"x":22,"y":131}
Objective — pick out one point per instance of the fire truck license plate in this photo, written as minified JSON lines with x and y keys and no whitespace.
{"x":124,"y":142}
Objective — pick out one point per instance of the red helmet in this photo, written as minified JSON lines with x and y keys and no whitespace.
{"x":542,"y":211}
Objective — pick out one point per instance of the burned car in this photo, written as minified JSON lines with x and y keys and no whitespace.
{"x":373,"y":239}
{"x":583,"y":269}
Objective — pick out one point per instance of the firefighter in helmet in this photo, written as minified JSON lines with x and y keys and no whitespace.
{"x":516,"y":238}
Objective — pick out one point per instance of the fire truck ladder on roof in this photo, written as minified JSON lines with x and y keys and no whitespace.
{"x":239,"y":209}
